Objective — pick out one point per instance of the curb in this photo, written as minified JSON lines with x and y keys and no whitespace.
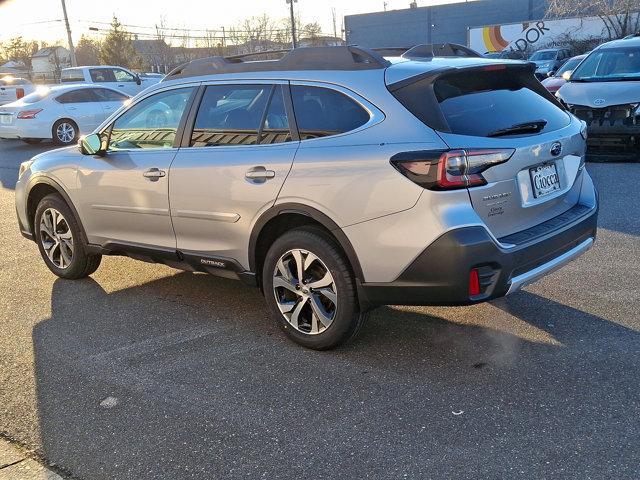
{"x":16,"y":464}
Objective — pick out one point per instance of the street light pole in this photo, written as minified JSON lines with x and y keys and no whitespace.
{"x":294,"y":42}
{"x":72,"y":50}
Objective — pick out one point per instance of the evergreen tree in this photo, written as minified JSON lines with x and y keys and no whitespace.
{"x":117,"y":47}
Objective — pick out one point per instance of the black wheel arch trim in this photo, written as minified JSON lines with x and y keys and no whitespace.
{"x":318,"y":216}
{"x":42,"y":179}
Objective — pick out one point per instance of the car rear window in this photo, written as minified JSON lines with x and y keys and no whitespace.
{"x":71,"y":76}
{"x":482,"y":102}
{"x":36,"y":96}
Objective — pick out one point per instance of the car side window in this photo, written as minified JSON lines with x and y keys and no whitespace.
{"x":122,"y":75}
{"x":81,"y":95}
{"x":106,"y":95}
{"x":276,"y":123}
{"x":321,"y":112}
{"x":100,"y":75}
{"x":150,"y":123}
{"x":230,"y":115}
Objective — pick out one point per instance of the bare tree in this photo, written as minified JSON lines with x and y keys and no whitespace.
{"x":620,"y":17}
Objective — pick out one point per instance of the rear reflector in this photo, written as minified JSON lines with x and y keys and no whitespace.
{"x":19,"y":93}
{"x":474,"y":283}
{"x":28,"y":114}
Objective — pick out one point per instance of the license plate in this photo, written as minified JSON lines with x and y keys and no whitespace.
{"x":5,"y":119}
{"x":544,"y":179}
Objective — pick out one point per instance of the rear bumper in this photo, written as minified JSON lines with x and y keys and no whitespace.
{"x":34,"y":130}
{"x":440,"y":274}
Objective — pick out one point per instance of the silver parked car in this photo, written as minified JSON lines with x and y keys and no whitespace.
{"x":334,"y":179}
{"x":604,"y":91}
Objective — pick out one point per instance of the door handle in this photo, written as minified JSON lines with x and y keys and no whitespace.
{"x":259,"y":173}
{"x":154,"y":174}
{"x":72,"y":108}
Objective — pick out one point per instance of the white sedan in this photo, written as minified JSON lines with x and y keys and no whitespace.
{"x":60,"y":112}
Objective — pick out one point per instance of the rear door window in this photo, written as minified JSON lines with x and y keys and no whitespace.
{"x":321,"y":112}
{"x":230,"y":115}
{"x":82,"y":95}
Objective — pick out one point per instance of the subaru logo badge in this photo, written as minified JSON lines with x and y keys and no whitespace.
{"x":599,"y":101}
{"x":556,"y":149}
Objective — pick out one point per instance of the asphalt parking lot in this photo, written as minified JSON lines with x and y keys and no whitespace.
{"x":144,"y":372}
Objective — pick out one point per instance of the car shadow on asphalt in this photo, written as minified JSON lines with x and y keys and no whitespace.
{"x":188,"y":371}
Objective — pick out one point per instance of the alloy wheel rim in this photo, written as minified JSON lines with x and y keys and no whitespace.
{"x":56,"y":238}
{"x":65,"y":132}
{"x":305,"y":291}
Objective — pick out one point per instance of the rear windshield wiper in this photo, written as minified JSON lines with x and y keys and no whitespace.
{"x":533,"y":126}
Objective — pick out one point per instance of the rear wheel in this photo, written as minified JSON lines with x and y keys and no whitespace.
{"x":65,"y":132}
{"x":310,"y":290}
{"x":60,"y":240}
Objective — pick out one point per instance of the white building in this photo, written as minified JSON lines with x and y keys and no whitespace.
{"x":47,"y":62}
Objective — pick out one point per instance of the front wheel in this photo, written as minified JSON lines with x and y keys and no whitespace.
{"x":60,"y":240}
{"x":310,"y":290}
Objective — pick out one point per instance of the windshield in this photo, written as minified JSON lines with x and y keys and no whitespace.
{"x":609,"y":64}
{"x":544,"y":55}
{"x":568,"y":66}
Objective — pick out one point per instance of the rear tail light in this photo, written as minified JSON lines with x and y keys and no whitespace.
{"x":474,"y":283}
{"x":19,"y":93}
{"x":28,"y":114}
{"x":449,"y":170}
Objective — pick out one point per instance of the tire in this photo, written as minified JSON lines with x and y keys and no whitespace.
{"x":336,"y":304}
{"x":63,"y":248}
{"x":64,"y":132}
{"x":32,"y":141}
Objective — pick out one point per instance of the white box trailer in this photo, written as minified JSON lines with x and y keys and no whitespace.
{"x":534,"y":35}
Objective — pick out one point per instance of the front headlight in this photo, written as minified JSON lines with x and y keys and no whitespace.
{"x":24,"y":166}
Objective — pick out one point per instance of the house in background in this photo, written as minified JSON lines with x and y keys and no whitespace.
{"x":16,"y":69}
{"x":47,"y":63}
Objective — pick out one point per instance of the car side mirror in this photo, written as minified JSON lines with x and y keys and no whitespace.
{"x":567,"y":75}
{"x":138,"y":81}
{"x":91,"y":145}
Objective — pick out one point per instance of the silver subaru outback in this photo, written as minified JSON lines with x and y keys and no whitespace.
{"x":334,"y":179}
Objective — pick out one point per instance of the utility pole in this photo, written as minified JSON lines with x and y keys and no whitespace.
{"x":294,"y":42}
{"x":74,"y":63}
{"x":335,"y":31}
{"x":224,"y":37}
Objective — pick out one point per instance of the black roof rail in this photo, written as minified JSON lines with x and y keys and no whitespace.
{"x":304,"y":58}
{"x":439,"y":50}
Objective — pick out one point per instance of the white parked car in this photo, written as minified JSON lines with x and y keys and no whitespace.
{"x":115,"y":77}
{"x":13,"y":88}
{"x":60,"y":112}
